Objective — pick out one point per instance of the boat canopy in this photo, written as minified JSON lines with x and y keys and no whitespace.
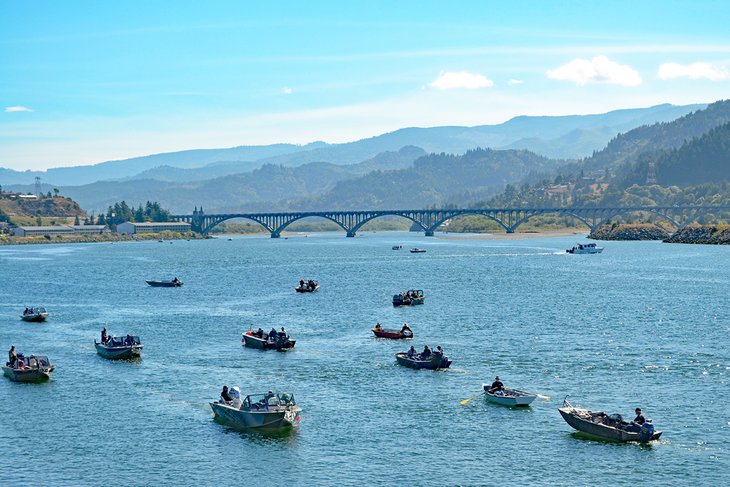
{"x":34,"y":361}
{"x":268,"y":400}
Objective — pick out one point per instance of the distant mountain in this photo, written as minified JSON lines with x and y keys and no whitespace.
{"x":548,"y":134}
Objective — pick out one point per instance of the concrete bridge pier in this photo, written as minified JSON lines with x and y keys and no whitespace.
{"x":275,"y":235}
{"x":350,"y":233}
{"x":429,"y":233}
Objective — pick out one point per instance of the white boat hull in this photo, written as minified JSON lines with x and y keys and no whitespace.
{"x":517,"y":400}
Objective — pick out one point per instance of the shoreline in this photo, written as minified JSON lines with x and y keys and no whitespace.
{"x":101,"y":238}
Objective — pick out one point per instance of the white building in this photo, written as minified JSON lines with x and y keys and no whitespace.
{"x":43,"y":230}
{"x":153,"y":227}
{"x":89,"y":229}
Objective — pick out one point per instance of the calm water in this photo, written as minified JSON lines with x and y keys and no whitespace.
{"x":643,"y":324}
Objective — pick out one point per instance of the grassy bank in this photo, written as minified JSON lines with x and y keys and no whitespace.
{"x":107,"y":237}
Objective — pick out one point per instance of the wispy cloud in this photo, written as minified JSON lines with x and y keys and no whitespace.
{"x":17,"y":109}
{"x":600,"y":69}
{"x":287,"y":91}
{"x":713,"y":72}
{"x":513,"y":82}
{"x":450,"y":80}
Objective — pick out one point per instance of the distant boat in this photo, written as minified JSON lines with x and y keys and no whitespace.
{"x":432,"y":362}
{"x":394,"y":334}
{"x":409,"y":298}
{"x":307,"y":286}
{"x":590,"y":248}
{"x":607,"y":427}
{"x":117,"y":348}
{"x":509,"y":397}
{"x":416,"y":250}
{"x":34,"y":315}
{"x":270,"y":411}
{"x":397,"y":247}
{"x":281,"y":342}
{"x":36,"y":368}
{"x":172,"y":283}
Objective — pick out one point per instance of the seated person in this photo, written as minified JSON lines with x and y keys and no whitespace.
{"x":405,"y":328}
{"x":496,"y":386}
{"x":378,"y":326}
{"x":411,"y":352}
{"x":635,"y":425}
{"x":225,"y":396}
{"x":426,"y":352}
{"x":439,"y":351}
{"x":272,"y":333}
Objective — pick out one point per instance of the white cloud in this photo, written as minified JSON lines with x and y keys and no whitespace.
{"x":600,"y":69}
{"x":449,"y":80}
{"x":712,"y":72}
{"x":513,"y":82}
{"x":17,"y":109}
{"x":287,"y":91}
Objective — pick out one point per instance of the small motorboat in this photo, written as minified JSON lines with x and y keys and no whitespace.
{"x":589,"y":248}
{"x":175,"y":282}
{"x":381,"y":332}
{"x":262,"y":341}
{"x":508,"y":397}
{"x":36,"y":368}
{"x":397,"y":247}
{"x":35,"y":315}
{"x":117,"y":348}
{"x":411,"y":297}
{"x":270,"y":411}
{"x":433,"y":362}
{"x":607,"y":427}
{"x":416,"y":250}
{"x":307,"y":286}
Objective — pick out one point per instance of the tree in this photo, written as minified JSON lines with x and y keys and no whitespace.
{"x":38,"y":221}
{"x":76,"y":221}
{"x":56,"y":191}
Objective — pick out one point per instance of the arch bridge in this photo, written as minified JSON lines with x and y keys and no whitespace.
{"x":431,"y":220}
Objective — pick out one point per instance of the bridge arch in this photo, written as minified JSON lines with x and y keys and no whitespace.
{"x":557,"y":211}
{"x":209,"y":225}
{"x":275,"y":233}
{"x":623,"y":211}
{"x":360,"y":224}
{"x":430,"y":230}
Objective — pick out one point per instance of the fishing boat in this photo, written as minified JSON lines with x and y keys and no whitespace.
{"x":397,"y":247}
{"x":589,"y":248}
{"x":34,"y":315}
{"x":394,"y":334}
{"x":307,"y":286}
{"x":608,"y":427}
{"x":433,"y":362}
{"x":270,"y":411}
{"x":171,"y":283}
{"x":416,"y":250}
{"x":117,"y":348}
{"x":258,"y":339}
{"x":508,"y":397}
{"x":36,"y":368}
{"x":409,"y":298}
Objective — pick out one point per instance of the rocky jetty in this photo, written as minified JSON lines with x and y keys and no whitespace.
{"x":702,"y":234}
{"x":639,"y":231}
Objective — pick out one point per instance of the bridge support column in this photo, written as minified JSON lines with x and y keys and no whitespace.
{"x":429,"y":233}
{"x":275,"y":235}
{"x":350,"y":234}
{"x":510,"y":230}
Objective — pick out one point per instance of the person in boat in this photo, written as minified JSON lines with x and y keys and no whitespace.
{"x":259,"y":333}
{"x":378,"y":326}
{"x":439,"y":351}
{"x":496,"y":386}
{"x":104,"y":336}
{"x":301,"y":283}
{"x":311,"y":284}
{"x":426,"y":352}
{"x":272,"y":333}
{"x":12,"y":356}
{"x":405,"y":328}
{"x":175,"y":280}
{"x":282,"y":333}
{"x":411,"y":352}
{"x":636,"y":424}
{"x":225,"y":397}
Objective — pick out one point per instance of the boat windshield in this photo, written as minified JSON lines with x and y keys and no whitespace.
{"x":268,"y":400}
{"x":123,"y":341}
{"x":34,"y":361}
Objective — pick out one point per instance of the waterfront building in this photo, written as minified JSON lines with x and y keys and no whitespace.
{"x":153,"y":227}
{"x":32,"y":231}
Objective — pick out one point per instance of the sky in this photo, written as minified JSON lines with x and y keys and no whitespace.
{"x":88,"y":81}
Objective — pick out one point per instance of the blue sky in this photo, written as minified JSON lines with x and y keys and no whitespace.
{"x":88,"y":81}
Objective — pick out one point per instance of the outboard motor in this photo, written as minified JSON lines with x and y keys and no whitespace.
{"x":647,"y":430}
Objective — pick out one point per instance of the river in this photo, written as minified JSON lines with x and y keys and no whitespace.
{"x":642,"y":324}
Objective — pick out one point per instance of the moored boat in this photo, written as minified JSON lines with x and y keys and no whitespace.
{"x":607,"y":427}
{"x":258,"y":339}
{"x":34,"y":315}
{"x":589,"y":248}
{"x":117,"y":348}
{"x":508,"y":397}
{"x":36,"y":368}
{"x":381,"y":332}
{"x":175,"y":282}
{"x":397,"y":247}
{"x":270,"y":411}
{"x":409,"y":298}
{"x":433,"y":361}
{"x":416,"y":250}
{"x":307,"y":286}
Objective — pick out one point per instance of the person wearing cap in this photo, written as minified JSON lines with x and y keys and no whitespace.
{"x":639,"y":419}
{"x":496,"y":386}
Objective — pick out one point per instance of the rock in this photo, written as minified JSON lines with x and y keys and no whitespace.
{"x":702,"y":234}
{"x":640,"y":231}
